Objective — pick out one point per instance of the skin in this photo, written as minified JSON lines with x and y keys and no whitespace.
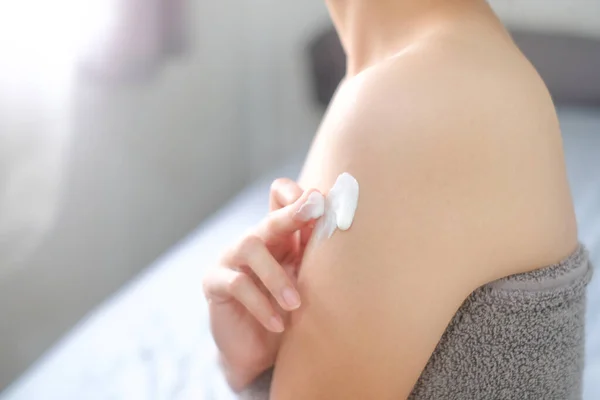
{"x":455,"y":143}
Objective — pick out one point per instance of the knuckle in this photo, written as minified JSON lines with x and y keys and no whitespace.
{"x":229,"y":255}
{"x":271,"y":224}
{"x":248,"y":245}
{"x":209,"y":282}
{"x":277,"y":184}
{"x":238,"y":282}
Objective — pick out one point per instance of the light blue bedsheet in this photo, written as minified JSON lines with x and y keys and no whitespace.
{"x":151,"y":341}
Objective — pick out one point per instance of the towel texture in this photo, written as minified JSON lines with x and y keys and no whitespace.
{"x":521,"y":337}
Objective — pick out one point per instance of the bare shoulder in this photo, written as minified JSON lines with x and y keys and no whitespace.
{"x":462,"y":181}
{"x":468,"y":136}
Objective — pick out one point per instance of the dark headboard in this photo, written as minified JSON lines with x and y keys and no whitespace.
{"x":570,"y":65}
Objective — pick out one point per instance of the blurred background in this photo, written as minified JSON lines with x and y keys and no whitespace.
{"x":138,"y":137}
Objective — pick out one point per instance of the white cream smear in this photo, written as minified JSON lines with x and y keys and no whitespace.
{"x":340,"y":207}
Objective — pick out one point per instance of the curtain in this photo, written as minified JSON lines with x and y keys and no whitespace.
{"x":136,"y":39}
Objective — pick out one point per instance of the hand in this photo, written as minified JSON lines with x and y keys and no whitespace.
{"x":252,"y":290}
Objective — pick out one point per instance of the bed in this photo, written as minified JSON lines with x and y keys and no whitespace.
{"x":151,"y":340}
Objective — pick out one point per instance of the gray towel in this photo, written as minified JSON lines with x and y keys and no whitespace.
{"x":521,"y":337}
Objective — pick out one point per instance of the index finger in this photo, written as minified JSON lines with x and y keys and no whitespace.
{"x":282,"y":223}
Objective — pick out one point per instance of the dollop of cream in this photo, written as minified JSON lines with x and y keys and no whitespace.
{"x":340,"y":207}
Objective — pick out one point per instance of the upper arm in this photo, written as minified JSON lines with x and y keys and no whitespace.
{"x":377,"y":298}
{"x":438,"y":202}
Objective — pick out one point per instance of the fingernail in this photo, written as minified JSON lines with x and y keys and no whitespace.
{"x":276,"y":324}
{"x":291,"y":298}
{"x":313,"y":207}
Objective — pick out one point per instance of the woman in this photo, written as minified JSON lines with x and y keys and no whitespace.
{"x":455,"y":143}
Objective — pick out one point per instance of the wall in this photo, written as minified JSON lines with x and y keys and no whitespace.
{"x":278,"y":105}
{"x":143,"y":164}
